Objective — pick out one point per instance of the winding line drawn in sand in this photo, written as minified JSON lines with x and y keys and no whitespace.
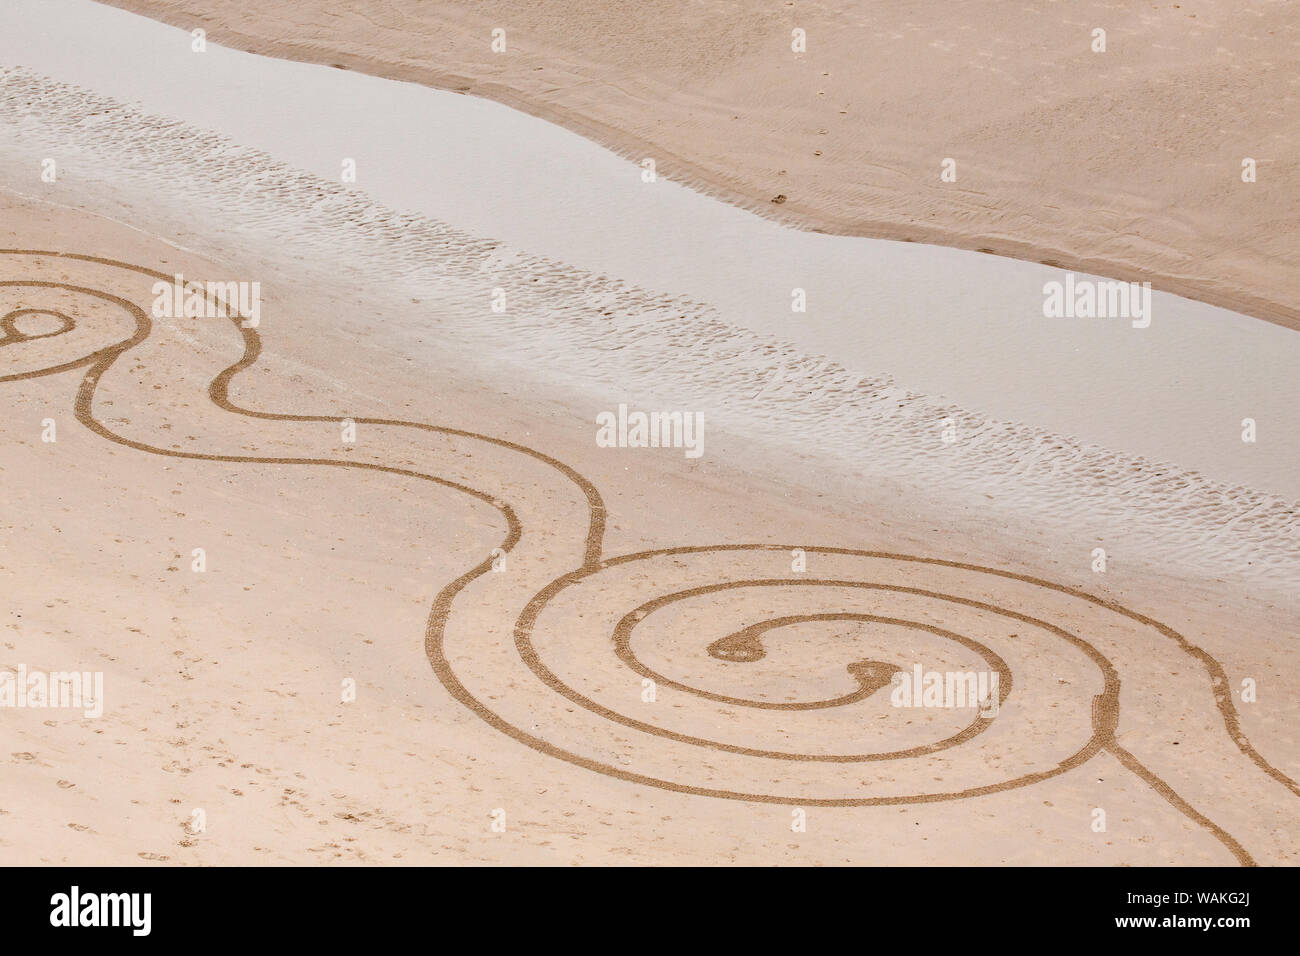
{"x":742,"y":645}
{"x":607,"y":331}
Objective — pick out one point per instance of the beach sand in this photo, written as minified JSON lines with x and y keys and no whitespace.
{"x":428,"y":601}
{"x":1125,"y":163}
{"x":223,"y":688}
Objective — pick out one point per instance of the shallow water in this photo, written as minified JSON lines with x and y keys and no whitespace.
{"x":633,"y":289}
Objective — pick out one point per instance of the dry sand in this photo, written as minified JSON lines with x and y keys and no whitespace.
{"x":1125,"y":163}
{"x":223,"y":688}
{"x":522,"y":690}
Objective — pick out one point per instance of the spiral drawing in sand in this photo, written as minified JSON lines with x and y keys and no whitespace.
{"x":730,"y":670}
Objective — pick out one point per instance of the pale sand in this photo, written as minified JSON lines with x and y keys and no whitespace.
{"x":1125,"y":163}
{"x":459,"y":195}
{"x":222,"y":689}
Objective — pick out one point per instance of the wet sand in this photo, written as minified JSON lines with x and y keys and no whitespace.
{"x":1125,"y":163}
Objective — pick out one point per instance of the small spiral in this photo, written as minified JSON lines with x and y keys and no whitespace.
{"x":49,"y":324}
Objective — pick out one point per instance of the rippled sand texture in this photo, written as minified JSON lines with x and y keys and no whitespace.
{"x":610,"y":338}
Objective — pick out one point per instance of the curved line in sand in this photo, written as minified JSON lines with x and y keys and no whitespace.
{"x":864,"y":672}
{"x":10,"y":334}
{"x":622,"y":640}
{"x":1105,"y":711}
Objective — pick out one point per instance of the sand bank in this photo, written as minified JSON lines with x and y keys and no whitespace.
{"x":1125,"y":163}
{"x":605,"y":275}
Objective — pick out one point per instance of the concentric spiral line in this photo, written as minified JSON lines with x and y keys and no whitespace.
{"x":1105,"y":706}
{"x":10,"y":333}
{"x":623,"y":650}
{"x":746,"y":645}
